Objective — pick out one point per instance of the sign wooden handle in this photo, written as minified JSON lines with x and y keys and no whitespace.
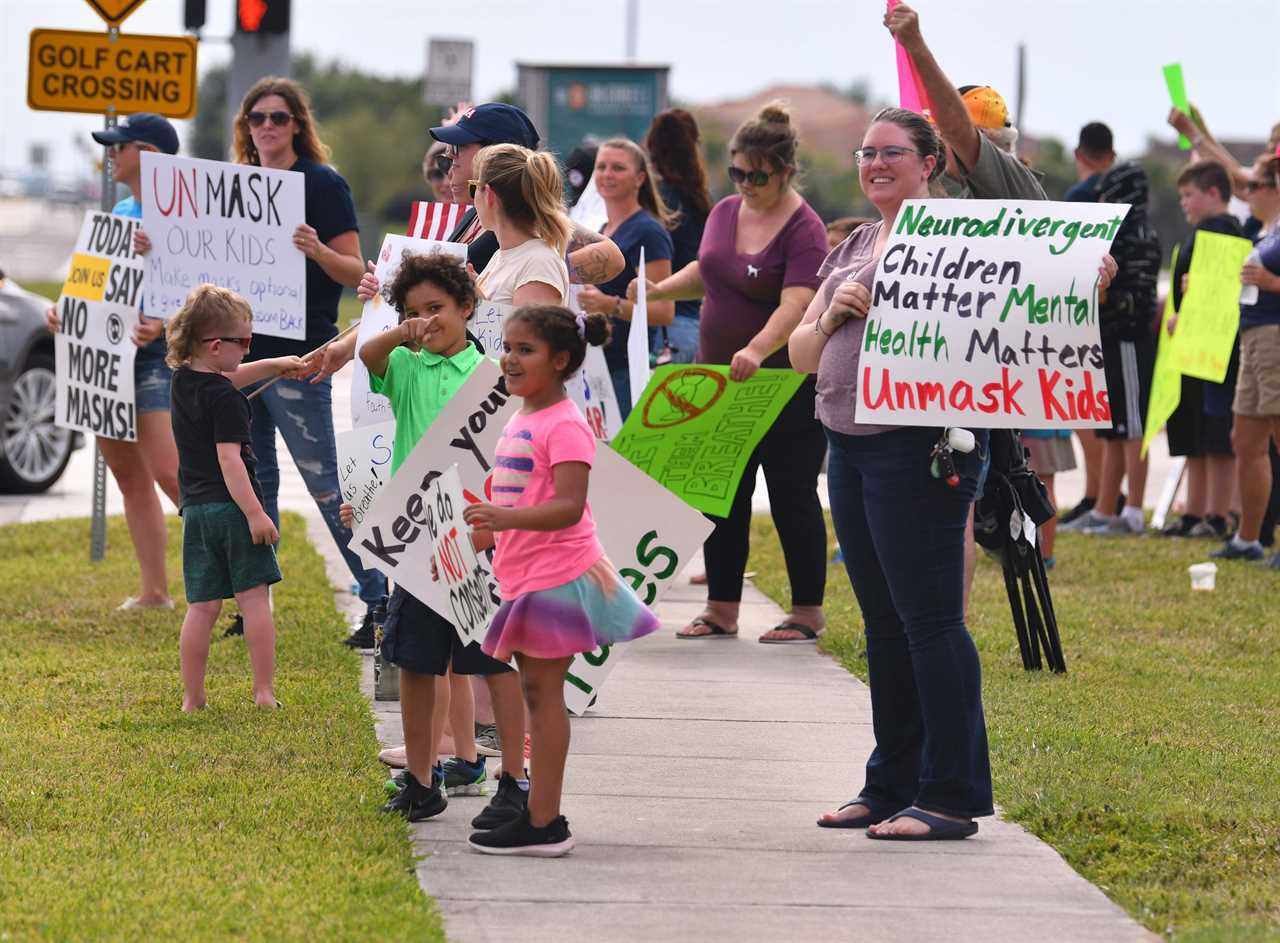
{"x":337,"y":337}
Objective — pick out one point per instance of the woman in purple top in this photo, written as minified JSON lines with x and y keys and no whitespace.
{"x":756,"y":272}
{"x":902,"y":532}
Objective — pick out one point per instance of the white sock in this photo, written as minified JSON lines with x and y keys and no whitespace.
{"x":1243,"y":544}
{"x":1133,"y":515}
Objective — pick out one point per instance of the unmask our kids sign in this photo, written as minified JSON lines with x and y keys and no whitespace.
{"x":984,"y":313}
{"x":230,"y":225}
{"x":94,"y":351}
{"x":647,"y":532}
{"x":379,"y":315}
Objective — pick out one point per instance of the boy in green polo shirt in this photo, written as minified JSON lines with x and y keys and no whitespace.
{"x":419,"y":366}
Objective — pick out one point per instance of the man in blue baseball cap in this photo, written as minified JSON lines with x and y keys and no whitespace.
{"x":591,"y":258}
{"x":142,"y":128}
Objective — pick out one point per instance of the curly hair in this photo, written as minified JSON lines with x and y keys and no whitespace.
{"x":207,"y":310}
{"x":444,"y":271}
{"x":306,"y":142}
{"x":559,"y":328}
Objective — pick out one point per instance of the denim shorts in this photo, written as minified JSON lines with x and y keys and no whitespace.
{"x":151,"y":378}
{"x":416,"y":638}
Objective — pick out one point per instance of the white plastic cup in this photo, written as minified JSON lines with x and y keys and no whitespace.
{"x":1203,"y":575}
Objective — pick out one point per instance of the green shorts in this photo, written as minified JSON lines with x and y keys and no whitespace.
{"x":219,"y":557}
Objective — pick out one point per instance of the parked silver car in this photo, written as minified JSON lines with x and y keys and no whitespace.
{"x":33,"y":451}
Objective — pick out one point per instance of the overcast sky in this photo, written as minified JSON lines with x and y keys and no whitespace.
{"x":1087,"y":59}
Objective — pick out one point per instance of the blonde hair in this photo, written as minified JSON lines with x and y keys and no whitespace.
{"x":207,"y":310}
{"x":529,"y":187}
{"x":649,"y":196}
{"x":306,"y":142}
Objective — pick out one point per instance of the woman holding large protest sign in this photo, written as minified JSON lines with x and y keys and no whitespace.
{"x":138,"y":467}
{"x":275,"y":129}
{"x":756,"y":272}
{"x":903,"y":536}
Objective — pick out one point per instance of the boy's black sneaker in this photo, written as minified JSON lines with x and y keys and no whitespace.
{"x":415,"y":801}
{"x":521,"y":838}
{"x":362,"y":638}
{"x":1081,"y":509}
{"x":507,"y":805}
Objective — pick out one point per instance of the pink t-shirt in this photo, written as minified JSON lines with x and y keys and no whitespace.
{"x":532,"y":444}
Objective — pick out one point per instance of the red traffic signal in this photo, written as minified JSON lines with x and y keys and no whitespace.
{"x":262,"y":16}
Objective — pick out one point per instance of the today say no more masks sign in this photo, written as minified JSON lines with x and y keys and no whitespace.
{"x":984,"y":313}
{"x":94,"y":351}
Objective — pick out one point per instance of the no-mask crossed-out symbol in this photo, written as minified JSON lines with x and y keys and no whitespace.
{"x":683,"y":395}
{"x":115,"y":328}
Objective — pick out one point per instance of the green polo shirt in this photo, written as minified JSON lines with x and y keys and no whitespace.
{"x":418,"y":386}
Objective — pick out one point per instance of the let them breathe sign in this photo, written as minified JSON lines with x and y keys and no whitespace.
{"x":94,"y":351}
{"x":230,"y":225}
{"x":984,"y":313}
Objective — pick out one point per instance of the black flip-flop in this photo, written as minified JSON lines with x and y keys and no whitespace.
{"x":873,"y":817}
{"x":809,"y":635}
{"x":940,"y":829}
{"x":716,"y":631}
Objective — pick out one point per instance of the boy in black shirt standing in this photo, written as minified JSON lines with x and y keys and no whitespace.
{"x":228,"y":540}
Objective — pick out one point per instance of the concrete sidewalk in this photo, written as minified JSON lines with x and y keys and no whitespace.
{"x":692,"y":790}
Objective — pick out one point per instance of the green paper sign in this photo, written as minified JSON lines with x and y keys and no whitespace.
{"x":1178,"y":95}
{"x":1210,"y":313}
{"x":1166,"y":381}
{"x":694,"y":429}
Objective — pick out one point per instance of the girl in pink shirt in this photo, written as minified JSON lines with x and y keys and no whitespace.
{"x":561,"y":595}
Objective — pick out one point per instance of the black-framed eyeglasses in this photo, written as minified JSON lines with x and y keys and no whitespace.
{"x":1253,"y":186}
{"x":756,"y":178}
{"x":242,"y":341}
{"x":257,"y":119}
{"x":890,"y":155}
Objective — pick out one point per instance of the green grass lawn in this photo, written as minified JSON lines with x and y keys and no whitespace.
{"x":1153,"y":765}
{"x":121,"y":818}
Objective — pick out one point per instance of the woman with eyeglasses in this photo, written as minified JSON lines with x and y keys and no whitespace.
{"x":275,"y":129}
{"x":138,"y":467}
{"x":902,"y":532}
{"x":638,"y":219}
{"x":756,"y":272}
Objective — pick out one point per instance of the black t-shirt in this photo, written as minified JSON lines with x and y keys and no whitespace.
{"x":481,"y":249}
{"x":1225,"y":223}
{"x":330,"y":212}
{"x":206,"y":409}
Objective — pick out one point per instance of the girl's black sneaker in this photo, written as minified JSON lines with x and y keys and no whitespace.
{"x":415,"y":801}
{"x":521,"y":838}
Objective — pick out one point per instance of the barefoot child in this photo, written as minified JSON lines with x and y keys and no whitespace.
{"x":227,"y":538}
{"x":419,"y":366}
{"x":561,"y":595}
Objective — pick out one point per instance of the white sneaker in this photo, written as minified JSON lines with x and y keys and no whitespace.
{"x":133,"y":602}
{"x":1120,"y":526}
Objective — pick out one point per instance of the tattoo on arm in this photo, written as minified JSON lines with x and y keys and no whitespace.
{"x":587,"y":269}
{"x":582,"y":236}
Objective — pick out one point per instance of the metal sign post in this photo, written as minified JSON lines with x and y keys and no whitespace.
{"x":98,"y":521}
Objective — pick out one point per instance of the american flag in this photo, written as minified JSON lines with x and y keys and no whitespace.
{"x":434,"y":220}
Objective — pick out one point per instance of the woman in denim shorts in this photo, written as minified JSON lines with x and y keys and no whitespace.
{"x":153,"y":459}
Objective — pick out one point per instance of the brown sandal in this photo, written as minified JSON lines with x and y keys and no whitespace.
{"x":716,"y":631}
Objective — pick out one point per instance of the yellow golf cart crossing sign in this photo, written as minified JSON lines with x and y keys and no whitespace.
{"x":114,"y":11}
{"x":71,"y":70}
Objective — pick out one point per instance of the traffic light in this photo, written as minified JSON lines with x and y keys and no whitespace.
{"x":262,"y":16}
{"x":193,"y":18}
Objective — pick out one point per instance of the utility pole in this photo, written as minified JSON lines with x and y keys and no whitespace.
{"x":633,"y":16}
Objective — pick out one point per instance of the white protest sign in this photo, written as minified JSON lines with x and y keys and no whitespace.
{"x":590,"y":212}
{"x":638,"y":338}
{"x":230,"y":225}
{"x":94,"y":351}
{"x":364,"y":464}
{"x":456,"y":565}
{"x":378,"y":315}
{"x":647,"y":532}
{"x":486,"y":326}
{"x":592,"y":386}
{"x":984,"y":313}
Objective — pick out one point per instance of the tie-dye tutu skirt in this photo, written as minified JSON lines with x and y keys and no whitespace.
{"x":598,"y":608}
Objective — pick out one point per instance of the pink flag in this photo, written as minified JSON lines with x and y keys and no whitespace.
{"x":911,"y":94}
{"x":434,"y":220}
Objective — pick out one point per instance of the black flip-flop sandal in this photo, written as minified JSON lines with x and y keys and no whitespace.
{"x":940,"y":829}
{"x":810,"y":636}
{"x":715,"y":631}
{"x":873,"y":817}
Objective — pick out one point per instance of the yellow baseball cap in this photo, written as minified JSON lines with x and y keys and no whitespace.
{"x":986,"y":108}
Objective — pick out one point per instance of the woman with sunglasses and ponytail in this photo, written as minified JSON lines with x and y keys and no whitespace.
{"x":275,"y":129}
{"x":756,"y":272}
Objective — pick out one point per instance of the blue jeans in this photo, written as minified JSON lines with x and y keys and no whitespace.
{"x":902,"y":532}
{"x":303,"y":412}
{"x":681,"y":334}
{"x":621,"y":377}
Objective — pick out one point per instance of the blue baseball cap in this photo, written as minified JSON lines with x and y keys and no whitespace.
{"x":145,"y":127}
{"x":490,"y":123}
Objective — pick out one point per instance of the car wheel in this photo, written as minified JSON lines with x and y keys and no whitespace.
{"x":33,"y":450}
